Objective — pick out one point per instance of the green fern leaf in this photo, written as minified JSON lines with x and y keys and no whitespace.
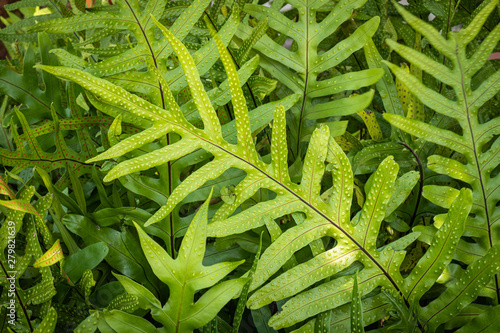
{"x":485,"y":322}
{"x":17,"y":228}
{"x":298,"y":70}
{"x":356,"y":309}
{"x":24,"y":88}
{"x":478,"y":141}
{"x":181,"y":313}
{"x":33,"y":154}
{"x":356,"y":240}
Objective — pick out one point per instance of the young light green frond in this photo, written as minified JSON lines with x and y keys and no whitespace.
{"x":341,"y":107}
{"x":485,"y":91}
{"x":206,"y":56}
{"x":280,"y":251}
{"x":343,"y":49}
{"x":209,"y":171}
{"x":483,"y":52}
{"x":146,"y":299}
{"x":120,"y":148}
{"x":374,"y":186}
{"x":251,"y":218}
{"x":279,"y":149}
{"x":442,"y":196}
{"x":431,"y":133}
{"x":111,"y":93}
{"x":342,"y":180}
{"x":463,"y":291}
{"x":314,"y":163}
{"x":239,"y":104}
{"x":184,"y":276}
{"x":114,"y":110}
{"x":304,"y":275}
{"x":349,"y":81}
{"x":162,"y":264}
{"x":402,"y":189}
{"x":319,"y":299}
{"x":120,"y":321}
{"x":372,"y":214}
{"x":207,"y":112}
{"x":374,"y":309}
{"x":152,"y":159}
{"x":314,"y":227}
{"x":451,"y":167}
{"x":221,"y":95}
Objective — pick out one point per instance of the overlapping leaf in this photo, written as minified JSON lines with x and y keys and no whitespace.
{"x":25,"y":87}
{"x":131,"y":16}
{"x":17,"y":228}
{"x":356,"y":240}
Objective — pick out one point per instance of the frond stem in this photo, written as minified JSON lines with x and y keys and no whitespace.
{"x":324,"y":216}
{"x":19,"y":299}
{"x":421,"y":182}
{"x":477,"y":162}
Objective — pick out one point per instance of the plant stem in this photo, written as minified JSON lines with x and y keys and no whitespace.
{"x":19,"y":299}
{"x":421,"y":181}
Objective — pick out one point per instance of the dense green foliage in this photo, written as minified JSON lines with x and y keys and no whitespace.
{"x":219,"y":166}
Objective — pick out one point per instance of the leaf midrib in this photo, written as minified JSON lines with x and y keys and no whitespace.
{"x":254,"y":166}
{"x":304,"y":201}
{"x":475,"y":153}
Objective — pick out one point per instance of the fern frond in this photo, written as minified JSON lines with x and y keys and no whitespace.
{"x":355,"y":240}
{"x":30,"y":153}
{"x":130,"y":16}
{"x":478,"y":142}
{"x":25,"y":87}
{"x":299,"y":69}
{"x":18,"y":228}
{"x":181,"y":313}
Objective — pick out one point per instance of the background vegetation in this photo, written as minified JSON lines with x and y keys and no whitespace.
{"x":225,"y":166}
